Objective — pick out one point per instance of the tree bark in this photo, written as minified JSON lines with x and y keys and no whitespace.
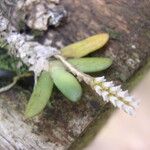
{"x":71,"y":126}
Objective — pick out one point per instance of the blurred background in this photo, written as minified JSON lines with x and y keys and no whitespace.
{"x":124,"y":132}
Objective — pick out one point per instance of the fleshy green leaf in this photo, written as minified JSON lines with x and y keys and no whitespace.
{"x":66,"y":83}
{"x":93,"y":64}
{"x":40,"y":96}
{"x":86,"y":46}
{"x":88,"y":64}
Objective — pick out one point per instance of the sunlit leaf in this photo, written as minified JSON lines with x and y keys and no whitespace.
{"x":66,"y":83}
{"x":40,"y":96}
{"x":86,"y":46}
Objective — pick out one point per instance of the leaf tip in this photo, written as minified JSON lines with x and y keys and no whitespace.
{"x":104,"y":37}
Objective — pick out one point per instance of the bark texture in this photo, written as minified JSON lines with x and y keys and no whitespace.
{"x":61,"y":125}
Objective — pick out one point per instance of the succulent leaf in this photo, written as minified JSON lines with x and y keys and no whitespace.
{"x":66,"y":83}
{"x":40,"y":96}
{"x":88,"y":64}
{"x":86,"y":46}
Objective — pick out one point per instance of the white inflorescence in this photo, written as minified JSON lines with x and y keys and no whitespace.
{"x":33,"y":54}
{"x":115,"y":95}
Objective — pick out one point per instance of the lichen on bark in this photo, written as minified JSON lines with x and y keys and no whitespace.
{"x":36,"y":14}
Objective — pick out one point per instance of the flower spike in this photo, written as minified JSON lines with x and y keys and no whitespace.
{"x":108,"y":91}
{"x":115,"y":95}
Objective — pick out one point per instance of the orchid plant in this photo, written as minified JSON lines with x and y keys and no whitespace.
{"x":65,"y":69}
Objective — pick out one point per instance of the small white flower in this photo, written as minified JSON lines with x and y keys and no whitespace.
{"x":108,"y":84}
{"x":123,"y":93}
{"x":113,"y":100}
{"x":100,"y":79}
{"x":119,"y":104}
{"x":105,"y":96}
{"x":128,"y":109}
{"x":129,"y":98}
{"x":98,"y":89}
{"x":135,"y":104}
{"x":115,"y":89}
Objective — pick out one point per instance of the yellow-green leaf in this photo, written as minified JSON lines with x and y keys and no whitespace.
{"x":86,"y":46}
{"x":66,"y":83}
{"x":93,"y":64}
{"x":40,"y":96}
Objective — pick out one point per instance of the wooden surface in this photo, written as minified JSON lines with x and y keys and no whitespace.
{"x":61,"y":125}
